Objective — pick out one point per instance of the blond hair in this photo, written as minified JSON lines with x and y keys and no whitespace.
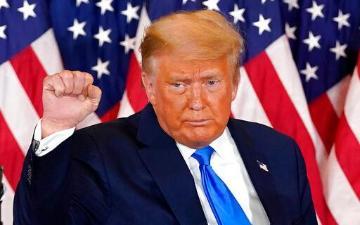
{"x":196,"y":35}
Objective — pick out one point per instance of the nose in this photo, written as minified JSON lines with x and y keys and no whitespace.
{"x":196,"y":101}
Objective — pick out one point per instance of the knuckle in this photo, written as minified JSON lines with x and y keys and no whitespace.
{"x":59,"y":86}
{"x":67,"y":75}
{"x":76,"y":74}
{"x":81,"y":79}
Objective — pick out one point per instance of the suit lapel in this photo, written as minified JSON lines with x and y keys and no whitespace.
{"x":169,"y":170}
{"x":261,"y":179}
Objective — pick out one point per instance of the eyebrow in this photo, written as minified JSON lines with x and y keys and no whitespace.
{"x":209,"y":74}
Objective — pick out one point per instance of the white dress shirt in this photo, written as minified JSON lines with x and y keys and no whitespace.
{"x":49,"y":143}
{"x":228,"y":165}
{"x":225,"y":161}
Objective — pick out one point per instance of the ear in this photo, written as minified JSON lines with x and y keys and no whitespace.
{"x":236,"y":81}
{"x":148,"y":83}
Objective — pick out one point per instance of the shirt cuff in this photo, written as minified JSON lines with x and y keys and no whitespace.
{"x":49,"y":143}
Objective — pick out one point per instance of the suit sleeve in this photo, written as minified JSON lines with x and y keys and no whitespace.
{"x":308,"y":216}
{"x":62,"y":186}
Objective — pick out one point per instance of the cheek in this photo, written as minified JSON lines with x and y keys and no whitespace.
{"x":220,"y":105}
{"x":172,"y":102}
{"x":171,"y":107}
{"x":220,"y":99}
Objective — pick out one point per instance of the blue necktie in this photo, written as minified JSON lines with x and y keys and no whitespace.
{"x":226,"y":209}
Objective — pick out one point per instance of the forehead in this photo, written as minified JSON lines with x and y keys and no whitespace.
{"x":175,"y":64}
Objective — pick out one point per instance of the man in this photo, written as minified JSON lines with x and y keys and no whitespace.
{"x":181,"y":160}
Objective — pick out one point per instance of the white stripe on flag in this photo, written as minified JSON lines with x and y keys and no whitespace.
{"x":337,"y":95}
{"x":16,"y":107}
{"x":352,"y":106}
{"x":88,"y":121}
{"x":125,"y":107}
{"x":341,"y":198}
{"x":143,"y":23}
{"x":246,"y":105}
{"x":47,"y":51}
{"x":7,"y":206}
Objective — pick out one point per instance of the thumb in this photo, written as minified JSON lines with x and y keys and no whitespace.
{"x":94,"y":95}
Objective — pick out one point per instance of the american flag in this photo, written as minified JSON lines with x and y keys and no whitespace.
{"x":300,"y":75}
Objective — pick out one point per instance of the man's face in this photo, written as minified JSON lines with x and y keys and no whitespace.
{"x":191,"y":99}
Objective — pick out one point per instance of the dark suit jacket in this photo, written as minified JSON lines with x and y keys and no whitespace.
{"x":130,"y":172}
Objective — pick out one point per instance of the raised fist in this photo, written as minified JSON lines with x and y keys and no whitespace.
{"x":68,"y":97}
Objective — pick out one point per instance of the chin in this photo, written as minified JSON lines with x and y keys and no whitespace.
{"x":196,"y":144}
{"x":198,"y":138}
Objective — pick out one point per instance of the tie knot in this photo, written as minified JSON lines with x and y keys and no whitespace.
{"x":203,"y":155}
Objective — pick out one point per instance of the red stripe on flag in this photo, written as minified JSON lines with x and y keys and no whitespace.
{"x":135,"y":91}
{"x":347,"y":150}
{"x":31,"y":74}
{"x":325,"y":119}
{"x":111,"y":113}
{"x":11,"y":156}
{"x":284,"y":117}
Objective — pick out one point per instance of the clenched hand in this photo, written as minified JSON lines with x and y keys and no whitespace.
{"x":68,"y":97}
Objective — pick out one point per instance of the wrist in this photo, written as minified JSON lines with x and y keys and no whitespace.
{"x":50,"y":126}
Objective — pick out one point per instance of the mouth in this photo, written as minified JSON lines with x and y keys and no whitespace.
{"x":198,"y":122}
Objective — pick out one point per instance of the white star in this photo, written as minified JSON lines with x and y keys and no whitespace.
{"x":103,"y":36}
{"x":263,"y":24}
{"x":292,"y":4}
{"x":2,"y":32}
{"x":315,"y":10}
{"x":312,"y":41}
{"x":339,"y":50}
{"x":78,"y":2}
{"x":290,"y":31}
{"x":212,"y":4}
{"x":130,"y":12}
{"x":309,"y":72}
{"x":101,"y":68}
{"x":77,"y":29}
{"x":342,"y":19}
{"x":3,"y":3}
{"x":105,"y":5}
{"x":238,"y":14}
{"x":27,"y":10}
{"x":128,"y":43}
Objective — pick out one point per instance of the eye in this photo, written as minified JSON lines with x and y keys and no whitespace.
{"x":177,"y":84}
{"x":178,"y":87}
{"x":212,"y":82}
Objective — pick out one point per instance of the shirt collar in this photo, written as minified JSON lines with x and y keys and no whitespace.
{"x":223,"y":146}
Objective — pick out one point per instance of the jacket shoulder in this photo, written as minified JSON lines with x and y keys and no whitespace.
{"x":257,"y":131}
{"x":266,"y":140}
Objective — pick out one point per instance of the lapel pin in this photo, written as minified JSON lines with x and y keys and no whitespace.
{"x":262,"y":166}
